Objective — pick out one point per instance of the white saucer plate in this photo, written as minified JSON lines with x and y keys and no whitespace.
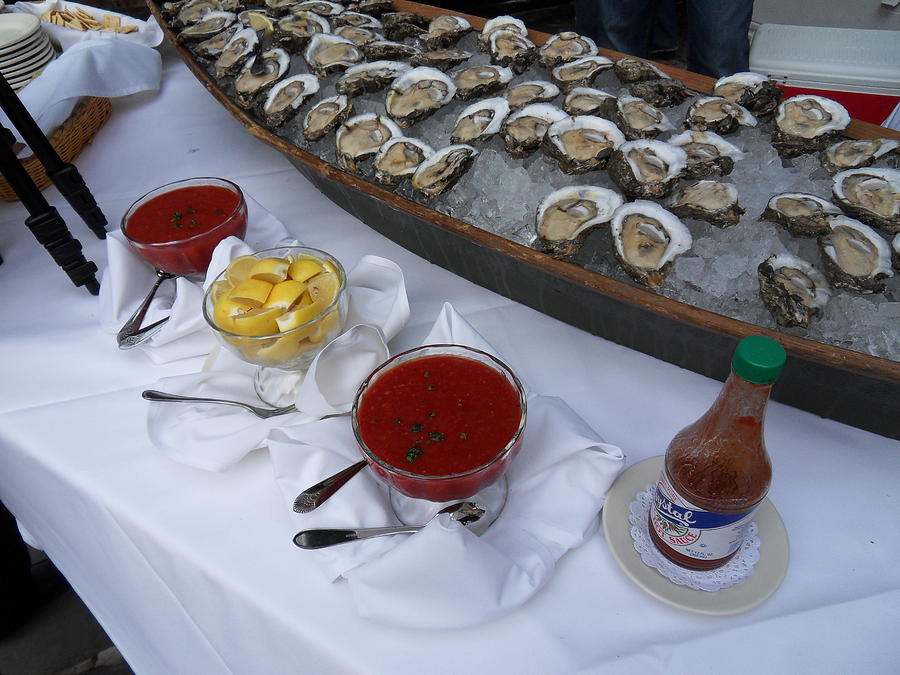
{"x":17,"y":28}
{"x":35,"y":61}
{"x":765,"y":579}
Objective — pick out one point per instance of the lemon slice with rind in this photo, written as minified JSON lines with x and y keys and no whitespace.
{"x":283,"y":349}
{"x":285,"y":294}
{"x":258,"y":21}
{"x":323,"y":288}
{"x":239,"y":269}
{"x":298,"y":316}
{"x":251,"y":292}
{"x":273,"y":270}
{"x":259,"y":321}
{"x":303,"y":269}
{"x":224,"y":313}
{"x":324,"y":327}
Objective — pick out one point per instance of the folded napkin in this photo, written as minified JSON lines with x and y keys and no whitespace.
{"x":214,"y":437}
{"x":104,"y":68}
{"x":445,"y":576}
{"x":127,"y":279}
{"x":148,"y":32}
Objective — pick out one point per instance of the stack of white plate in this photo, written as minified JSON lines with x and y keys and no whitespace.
{"x":25,"y":49}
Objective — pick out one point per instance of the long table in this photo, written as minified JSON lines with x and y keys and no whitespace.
{"x":194,"y":572}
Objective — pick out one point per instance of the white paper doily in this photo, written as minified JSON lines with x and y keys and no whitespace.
{"x":733,"y":572}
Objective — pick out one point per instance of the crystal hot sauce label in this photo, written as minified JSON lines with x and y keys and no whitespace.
{"x":693,"y":532}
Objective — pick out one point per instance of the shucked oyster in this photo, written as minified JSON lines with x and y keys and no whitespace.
{"x":356,"y":20}
{"x":757,"y":93}
{"x":399,"y":158}
{"x":709,"y":200}
{"x":580,"y":72}
{"x":444,"y":30}
{"x":638,"y":119}
{"x":582,"y":143}
{"x":630,"y":69}
{"x":327,"y":53}
{"x":442,"y":59}
{"x":524,"y":130}
{"x":321,"y":7}
{"x":660,"y":93}
{"x":713,"y":113}
{"x":808,"y":124}
{"x":259,"y":73}
{"x":192,"y":11}
{"x":870,"y":195}
{"x":853,"y":154}
{"x":401,"y":25}
{"x":532,"y":91}
{"x":792,"y":289}
{"x":855,"y":256}
{"x":480,"y":120}
{"x":237,"y":50}
{"x":212,"y":47}
{"x":325,"y":116}
{"x":371,"y":76}
{"x":443,"y":169}
{"x":801,"y":214}
{"x":418,"y":93}
{"x":510,"y":49}
{"x":566,"y":216}
{"x":379,"y":50}
{"x":211,"y":24}
{"x":588,"y":101}
{"x":294,"y":30}
{"x":500,"y":23}
{"x":708,"y":153}
{"x":361,"y":137}
{"x":564,"y":47}
{"x":646,"y":240}
{"x":647,"y":169}
{"x":478,"y":81}
{"x":358,"y":36}
{"x":285,"y":98}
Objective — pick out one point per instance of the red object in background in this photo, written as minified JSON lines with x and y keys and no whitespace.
{"x":874,"y":108}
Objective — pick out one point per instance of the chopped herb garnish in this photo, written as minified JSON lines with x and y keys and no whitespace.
{"x":436,"y":436}
{"x":397,"y":420}
{"x":413,"y":453}
{"x":191,"y":211}
{"x":464,"y":436}
{"x":430,"y":387}
{"x":432,"y":415}
{"x":425,"y":374}
{"x":416,"y":428}
{"x":218,"y":212}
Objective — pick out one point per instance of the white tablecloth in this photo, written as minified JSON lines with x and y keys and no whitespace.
{"x":191,"y":572}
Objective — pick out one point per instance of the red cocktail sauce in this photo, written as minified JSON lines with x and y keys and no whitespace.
{"x":439,"y":415}
{"x":181,"y":214}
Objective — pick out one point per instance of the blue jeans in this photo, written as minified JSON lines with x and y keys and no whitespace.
{"x":717,"y":30}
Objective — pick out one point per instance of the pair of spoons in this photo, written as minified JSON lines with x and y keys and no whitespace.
{"x":314,"y":496}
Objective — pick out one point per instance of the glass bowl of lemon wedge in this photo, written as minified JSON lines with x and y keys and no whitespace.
{"x":277,"y":309}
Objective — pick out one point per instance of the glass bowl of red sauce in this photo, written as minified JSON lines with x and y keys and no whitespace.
{"x":440,"y":422}
{"x":176,"y":227}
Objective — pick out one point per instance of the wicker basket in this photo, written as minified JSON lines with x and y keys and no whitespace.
{"x":69,"y":138}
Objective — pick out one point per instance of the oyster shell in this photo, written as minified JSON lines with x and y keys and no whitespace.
{"x":504,"y":22}
{"x":708,"y":153}
{"x":374,"y":7}
{"x":801,"y":214}
{"x":443,"y":169}
{"x":854,"y":256}
{"x":524,"y":129}
{"x":709,"y":200}
{"x":232,"y":5}
{"x":295,"y":30}
{"x":856,"y":154}
{"x":370,"y":76}
{"x":580,"y":72}
{"x":647,"y":169}
{"x":401,"y":25}
{"x":895,"y":252}
{"x":792,"y":289}
{"x":660,"y":93}
{"x":583,"y":143}
{"x":480,"y":120}
{"x":277,"y":7}
{"x":477,"y":81}
{"x":379,"y":50}
{"x":356,"y":19}
{"x":325,"y":116}
{"x":757,"y":93}
{"x":212,"y":47}
{"x":327,"y":53}
{"x":444,"y":30}
{"x":236,"y":51}
{"x":285,"y":98}
{"x":564,"y":47}
{"x":442,"y":59}
{"x":418,"y":93}
{"x":362,"y":136}
{"x":510,"y":49}
{"x":714,"y":113}
{"x":192,"y":11}
{"x":532,"y":91}
{"x":630,"y":69}
{"x":808,"y":124}
{"x":646,"y":240}
{"x":358,"y":36}
{"x":399,"y":158}
{"x":212,"y":23}
{"x":259,"y":73}
{"x":638,"y":119}
{"x":320,"y":7}
{"x":589,"y":101}
{"x":567,"y":216}
{"x":870,"y":195}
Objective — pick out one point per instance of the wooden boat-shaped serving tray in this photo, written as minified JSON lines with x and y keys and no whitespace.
{"x":830,"y":381}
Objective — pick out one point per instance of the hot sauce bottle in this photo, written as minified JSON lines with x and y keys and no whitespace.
{"x":717,"y":470}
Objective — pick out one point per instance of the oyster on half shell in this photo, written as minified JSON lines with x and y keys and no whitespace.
{"x":210,"y":25}
{"x":708,"y":153}
{"x":442,"y":59}
{"x":580,"y":72}
{"x":358,"y":36}
{"x":566,"y":216}
{"x":418,"y":93}
{"x":531,"y":91}
{"x":362,"y":136}
{"x":477,"y":81}
{"x":325,"y":116}
{"x":285,"y":98}
{"x":801,"y":214}
{"x":583,"y":143}
{"x":757,"y":93}
{"x":212,"y":47}
{"x":326,"y":53}
{"x":709,"y":200}
{"x":646,"y":240}
{"x":714,"y":113}
{"x":524,"y":129}
{"x":792,"y":289}
{"x":630,"y":69}
{"x":259,"y":73}
{"x":401,"y":25}
{"x":855,"y":257}
{"x":511,"y":50}
{"x":480,"y":120}
{"x":870,"y":195}
{"x":856,"y":154}
{"x":379,"y":50}
{"x":370,"y":76}
{"x":236,"y":51}
{"x":808,"y":124}
{"x":564,"y":47}
{"x":589,"y":101}
{"x":638,"y":119}
{"x":503,"y":22}
{"x":441,"y":171}
{"x":661,"y":93}
{"x":647,"y":169}
{"x":444,"y":30}
{"x":295,"y":30}
{"x":399,"y":158}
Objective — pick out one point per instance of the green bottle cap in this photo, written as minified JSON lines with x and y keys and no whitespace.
{"x":758,"y":359}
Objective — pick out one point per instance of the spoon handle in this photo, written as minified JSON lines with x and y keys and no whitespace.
{"x":131,"y":334}
{"x":312,"y":539}
{"x":313,"y":497}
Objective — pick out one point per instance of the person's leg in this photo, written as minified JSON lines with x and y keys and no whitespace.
{"x":16,"y":586}
{"x":623,"y":25}
{"x":664,"y":36}
{"x":718,"y":43}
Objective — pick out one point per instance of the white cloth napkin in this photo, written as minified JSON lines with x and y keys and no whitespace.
{"x":445,"y":576}
{"x":104,"y":68}
{"x":214,"y":437}
{"x":127,"y":280}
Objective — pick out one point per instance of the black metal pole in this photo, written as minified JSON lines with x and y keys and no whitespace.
{"x":64,"y":176}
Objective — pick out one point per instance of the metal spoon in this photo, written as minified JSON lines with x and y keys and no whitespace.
{"x":313,"y":497}
{"x":462,"y":512}
{"x":263,"y":413}
{"x":131,"y":334}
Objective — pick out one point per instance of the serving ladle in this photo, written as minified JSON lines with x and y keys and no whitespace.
{"x":262,"y":413}
{"x":131,"y":334}
{"x":464,"y":513}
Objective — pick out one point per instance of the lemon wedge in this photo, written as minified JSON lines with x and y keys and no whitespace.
{"x":323,"y":288}
{"x":297,"y":317}
{"x":285,"y":294}
{"x":272,"y":270}
{"x":239,"y":269}
{"x":251,"y":292}
{"x":258,"y":321}
{"x":224,"y":312}
{"x":283,"y":349}
{"x":219,"y":289}
{"x":258,"y":21}
{"x":328,"y":323}
{"x":304,"y":268}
